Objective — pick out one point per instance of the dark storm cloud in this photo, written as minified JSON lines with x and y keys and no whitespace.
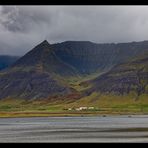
{"x":22,"y":27}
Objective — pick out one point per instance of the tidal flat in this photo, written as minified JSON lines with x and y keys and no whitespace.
{"x":119,"y":128}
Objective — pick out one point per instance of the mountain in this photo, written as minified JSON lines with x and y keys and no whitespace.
{"x":43,"y":58}
{"x":131,"y":76}
{"x":32,"y":76}
{"x":88,"y":57}
{"x":6,"y":61}
{"x":45,"y":70}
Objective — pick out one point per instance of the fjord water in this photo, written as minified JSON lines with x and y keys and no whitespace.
{"x":75,"y":129}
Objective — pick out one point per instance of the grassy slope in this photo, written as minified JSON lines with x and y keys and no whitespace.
{"x":104,"y":104}
{"x":115,"y":103}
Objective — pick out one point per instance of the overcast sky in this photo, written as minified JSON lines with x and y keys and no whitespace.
{"x":23,"y":27}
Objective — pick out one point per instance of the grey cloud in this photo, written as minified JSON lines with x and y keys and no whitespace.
{"x":23,"y":19}
{"x":22,"y":27}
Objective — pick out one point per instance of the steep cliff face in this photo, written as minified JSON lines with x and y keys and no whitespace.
{"x":88,"y":57}
{"x":131,"y":76}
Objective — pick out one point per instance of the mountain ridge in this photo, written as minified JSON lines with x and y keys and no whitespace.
{"x":43,"y":71}
{"x":97,"y":57}
{"x":31,"y":77}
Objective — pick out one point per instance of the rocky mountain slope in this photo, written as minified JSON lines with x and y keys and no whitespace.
{"x":88,"y":57}
{"x":131,"y":76}
{"x":32,"y":76}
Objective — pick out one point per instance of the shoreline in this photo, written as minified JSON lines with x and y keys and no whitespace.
{"x":63,"y":114}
